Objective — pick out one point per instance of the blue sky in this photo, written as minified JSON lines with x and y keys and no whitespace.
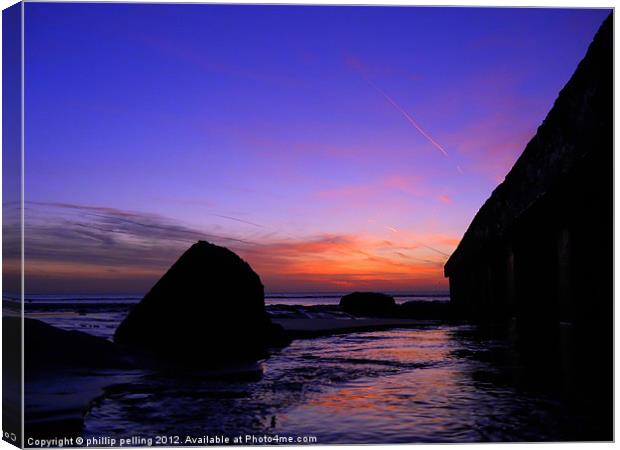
{"x":332,"y":147}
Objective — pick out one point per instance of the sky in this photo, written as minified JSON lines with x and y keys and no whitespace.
{"x":333,"y":148}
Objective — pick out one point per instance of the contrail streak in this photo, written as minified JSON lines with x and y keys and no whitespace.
{"x":238,"y":220}
{"x":434,"y":249}
{"x":407,"y":116}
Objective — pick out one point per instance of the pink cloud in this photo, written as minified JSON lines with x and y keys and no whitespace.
{"x":410,"y":185}
{"x":445,"y":199}
{"x":352,"y":191}
{"x":490,"y":149}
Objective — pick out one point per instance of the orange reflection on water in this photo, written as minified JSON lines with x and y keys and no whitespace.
{"x":421,"y":354}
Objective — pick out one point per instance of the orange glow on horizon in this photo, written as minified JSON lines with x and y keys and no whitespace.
{"x":356,"y":261}
{"x":328,"y":262}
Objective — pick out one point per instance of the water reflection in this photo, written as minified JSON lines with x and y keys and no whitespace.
{"x":433,"y":384}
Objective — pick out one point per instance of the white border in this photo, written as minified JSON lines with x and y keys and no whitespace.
{"x":479,"y":3}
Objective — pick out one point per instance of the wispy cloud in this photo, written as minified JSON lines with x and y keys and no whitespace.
{"x":410,"y":185}
{"x":67,"y":242}
{"x":237,"y":69}
{"x":385,"y":190}
{"x":73,"y":247}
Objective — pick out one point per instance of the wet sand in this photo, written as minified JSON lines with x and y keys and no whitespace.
{"x":315,"y":327}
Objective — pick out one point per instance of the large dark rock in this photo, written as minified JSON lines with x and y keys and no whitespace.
{"x":367,"y":304}
{"x":208,"y":308}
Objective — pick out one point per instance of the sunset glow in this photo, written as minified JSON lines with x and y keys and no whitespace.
{"x":353,"y":157}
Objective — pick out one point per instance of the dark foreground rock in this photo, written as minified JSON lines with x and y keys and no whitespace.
{"x":207,"y":309}
{"x":368,"y":304}
{"x":64,"y":372}
{"x":48,"y":347}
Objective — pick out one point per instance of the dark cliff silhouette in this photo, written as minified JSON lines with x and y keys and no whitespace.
{"x":540,"y":250}
{"x":541,"y":243}
{"x":209,"y":307}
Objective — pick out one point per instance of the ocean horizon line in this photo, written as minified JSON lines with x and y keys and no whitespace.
{"x":268,"y":296}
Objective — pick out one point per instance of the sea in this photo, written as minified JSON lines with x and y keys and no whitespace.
{"x":438,"y":382}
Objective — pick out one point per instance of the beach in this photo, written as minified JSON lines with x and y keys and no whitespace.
{"x":387,"y":381}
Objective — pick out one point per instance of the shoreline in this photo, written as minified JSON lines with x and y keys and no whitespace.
{"x":72,"y":401}
{"x":314,"y":328}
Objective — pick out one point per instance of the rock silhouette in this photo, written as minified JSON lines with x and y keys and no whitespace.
{"x":47,"y":347}
{"x":208,"y":308}
{"x":367,"y":304}
{"x":66,"y":368}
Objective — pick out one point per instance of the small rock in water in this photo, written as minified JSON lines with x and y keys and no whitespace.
{"x":367,"y":304}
